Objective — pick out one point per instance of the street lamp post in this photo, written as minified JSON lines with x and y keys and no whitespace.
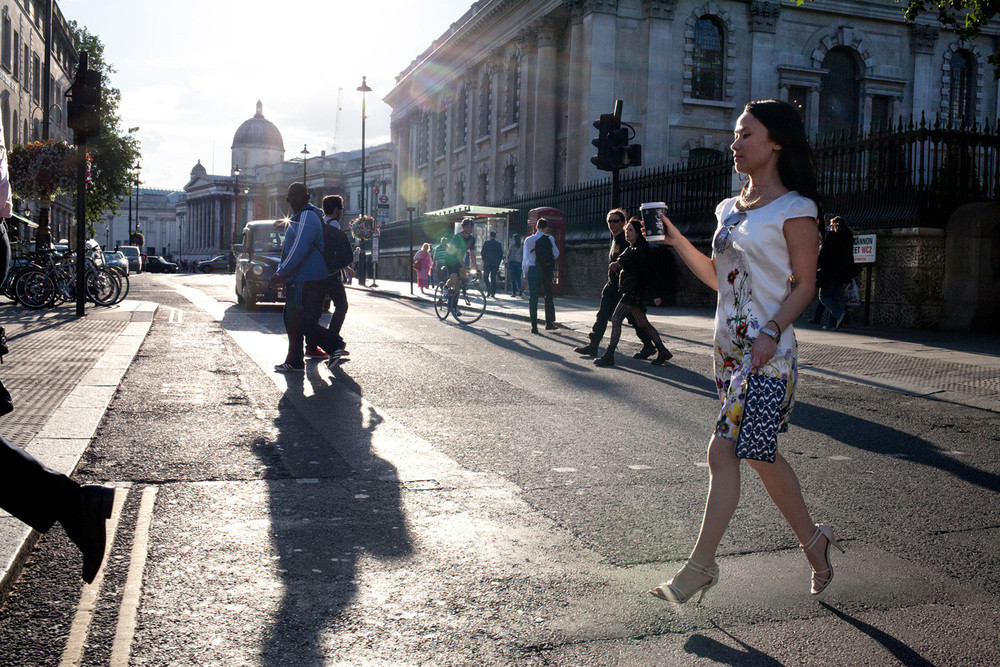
{"x":137,"y":230}
{"x":305,"y":156}
{"x":236,"y":204}
{"x":363,"y":89}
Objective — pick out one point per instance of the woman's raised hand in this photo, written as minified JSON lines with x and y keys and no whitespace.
{"x":670,"y":234}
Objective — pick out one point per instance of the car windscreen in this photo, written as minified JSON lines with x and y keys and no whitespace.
{"x":268,"y":240}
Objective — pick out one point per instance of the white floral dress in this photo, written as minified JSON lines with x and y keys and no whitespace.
{"x":754,"y":274}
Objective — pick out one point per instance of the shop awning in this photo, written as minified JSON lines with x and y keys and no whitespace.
{"x":21,"y":218}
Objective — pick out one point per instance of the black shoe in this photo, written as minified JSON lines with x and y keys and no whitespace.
{"x":588,"y":350}
{"x":534,"y":330}
{"x":645,"y":353}
{"x":605,"y":360}
{"x":84,"y":523}
{"x":551,"y":326}
{"x":663,"y":357}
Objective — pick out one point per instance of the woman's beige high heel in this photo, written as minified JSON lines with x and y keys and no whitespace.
{"x":822,"y":578}
{"x":671,"y":593}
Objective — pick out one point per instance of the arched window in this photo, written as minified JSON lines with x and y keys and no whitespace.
{"x":707,"y":60}
{"x":509,"y":181}
{"x":839,"y":92}
{"x":513,"y":90}
{"x":6,"y":123}
{"x":485,"y":106}
{"x":962,"y":97}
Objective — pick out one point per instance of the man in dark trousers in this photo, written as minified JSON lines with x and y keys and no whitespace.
{"x":540,"y":272}
{"x":609,"y":295}
{"x":303,"y":268}
{"x":33,"y":493}
{"x":492,"y":254}
{"x":333,"y":209}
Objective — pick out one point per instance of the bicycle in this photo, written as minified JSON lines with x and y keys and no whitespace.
{"x":466,"y":304}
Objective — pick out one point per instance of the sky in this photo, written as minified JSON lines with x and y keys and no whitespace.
{"x":191,"y":72}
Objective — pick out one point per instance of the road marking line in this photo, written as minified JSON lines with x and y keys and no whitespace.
{"x":176,"y":316}
{"x":125,"y":632}
{"x":80,"y":628}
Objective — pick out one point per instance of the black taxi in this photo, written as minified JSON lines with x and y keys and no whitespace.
{"x":257,"y":259}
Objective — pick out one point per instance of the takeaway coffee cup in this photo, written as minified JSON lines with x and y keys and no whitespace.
{"x":652,"y":226}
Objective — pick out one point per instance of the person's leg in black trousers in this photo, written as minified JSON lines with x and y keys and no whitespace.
{"x":292,"y":316}
{"x":338,"y":297}
{"x":40,"y":496}
{"x":550,"y":306}
{"x":534,"y":284}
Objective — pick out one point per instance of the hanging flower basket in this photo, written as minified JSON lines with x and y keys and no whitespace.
{"x":43,"y":169}
{"x":364,"y":227}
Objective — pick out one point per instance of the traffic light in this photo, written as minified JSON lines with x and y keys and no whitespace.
{"x":85,"y":100}
{"x":624,"y":154}
{"x":606,"y":126}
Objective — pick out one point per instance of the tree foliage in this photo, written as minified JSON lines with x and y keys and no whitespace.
{"x":114,"y":152}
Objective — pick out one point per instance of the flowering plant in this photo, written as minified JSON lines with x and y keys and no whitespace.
{"x":364,"y":227}
{"x":44,"y":169}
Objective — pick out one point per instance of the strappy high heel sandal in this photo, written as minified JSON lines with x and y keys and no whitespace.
{"x":822,"y":578}
{"x":671,"y":593}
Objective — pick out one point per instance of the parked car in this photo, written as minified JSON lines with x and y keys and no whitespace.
{"x":133,"y":256}
{"x":156,"y":264}
{"x":218,"y":264}
{"x":256,"y":261}
{"x":117,"y":259}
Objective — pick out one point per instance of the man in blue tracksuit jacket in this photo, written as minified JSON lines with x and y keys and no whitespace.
{"x":304,"y":270}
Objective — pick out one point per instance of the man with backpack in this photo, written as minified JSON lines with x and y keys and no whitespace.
{"x":304,"y":269}
{"x":338,"y":255}
{"x":540,"y":255}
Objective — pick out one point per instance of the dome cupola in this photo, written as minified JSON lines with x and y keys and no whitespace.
{"x":258,"y":132}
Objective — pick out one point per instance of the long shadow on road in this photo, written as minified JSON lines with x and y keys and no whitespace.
{"x":327,"y":519}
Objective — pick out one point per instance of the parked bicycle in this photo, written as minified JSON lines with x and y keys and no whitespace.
{"x":42,"y":279}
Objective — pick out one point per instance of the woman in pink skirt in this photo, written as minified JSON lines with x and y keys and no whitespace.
{"x":422,"y":262}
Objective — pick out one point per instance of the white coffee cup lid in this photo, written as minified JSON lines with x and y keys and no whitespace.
{"x":655,"y":204}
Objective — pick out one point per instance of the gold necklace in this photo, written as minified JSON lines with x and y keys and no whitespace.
{"x":762,"y":199}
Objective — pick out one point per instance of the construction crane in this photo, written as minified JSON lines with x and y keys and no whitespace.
{"x":336,"y":129}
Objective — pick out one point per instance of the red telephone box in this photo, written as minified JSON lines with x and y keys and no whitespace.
{"x":557,"y":230}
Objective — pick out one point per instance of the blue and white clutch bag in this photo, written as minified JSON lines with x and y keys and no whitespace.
{"x":758,"y":435}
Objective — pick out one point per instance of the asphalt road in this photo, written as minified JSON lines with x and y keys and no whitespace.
{"x":478,"y":495}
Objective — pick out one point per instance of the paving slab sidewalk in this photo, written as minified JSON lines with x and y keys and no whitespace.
{"x":959,"y":368}
{"x":62,"y":371}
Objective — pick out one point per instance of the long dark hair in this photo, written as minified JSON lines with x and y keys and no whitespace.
{"x":640,"y":238}
{"x":795,"y":161}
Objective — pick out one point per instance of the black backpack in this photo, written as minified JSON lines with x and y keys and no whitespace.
{"x":337,"y":250}
{"x":544,"y":256}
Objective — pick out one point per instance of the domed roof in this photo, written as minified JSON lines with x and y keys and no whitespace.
{"x":198,"y":170}
{"x":258,"y":132}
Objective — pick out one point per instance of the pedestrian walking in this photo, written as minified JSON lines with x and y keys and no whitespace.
{"x":440,"y":255}
{"x":422,"y":264}
{"x":610,"y":294}
{"x":337,"y":254}
{"x":515,"y":259}
{"x":304,"y":270}
{"x":539,"y":259}
{"x":835,"y":270}
{"x":638,"y":270}
{"x":32,"y":492}
{"x":492,"y":254}
{"x":764,"y":236}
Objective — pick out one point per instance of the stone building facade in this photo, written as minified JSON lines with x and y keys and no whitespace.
{"x":22,"y":94}
{"x":150,"y":211}
{"x":213,"y":208}
{"x":503,"y":102}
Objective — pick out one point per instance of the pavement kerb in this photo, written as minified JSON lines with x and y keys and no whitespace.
{"x":67,"y":433}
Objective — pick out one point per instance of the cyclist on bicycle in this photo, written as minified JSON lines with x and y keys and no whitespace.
{"x":461,"y":248}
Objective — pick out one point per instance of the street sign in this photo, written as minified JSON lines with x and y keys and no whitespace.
{"x":375,"y":190}
{"x":382,"y":211}
{"x":383,"y":200}
{"x":374,"y":250}
{"x":864,"y":248}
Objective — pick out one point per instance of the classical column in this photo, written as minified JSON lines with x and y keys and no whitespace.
{"x":661,"y":60}
{"x":526,"y":120}
{"x":544,"y":154}
{"x":926,"y":93}
{"x":599,"y":28}
{"x":762,"y":18}
{"x":578,"y":124}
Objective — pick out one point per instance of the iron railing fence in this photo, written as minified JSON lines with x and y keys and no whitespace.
{"x":908,"y":175}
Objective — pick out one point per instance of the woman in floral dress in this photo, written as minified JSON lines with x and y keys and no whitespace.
{"x":763,"y":265}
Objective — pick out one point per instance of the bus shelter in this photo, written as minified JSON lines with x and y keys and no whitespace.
{"x":486,"y":219}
